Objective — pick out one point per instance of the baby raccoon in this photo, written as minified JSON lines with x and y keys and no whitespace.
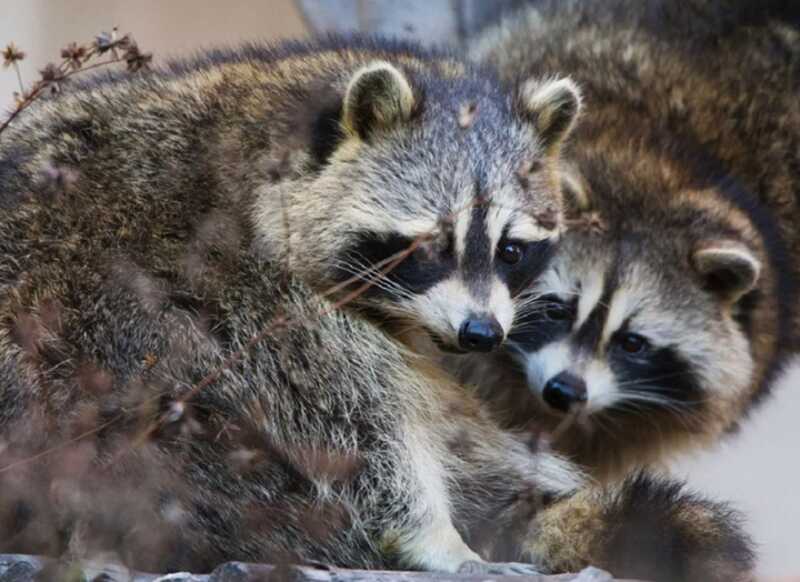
{"x":671,"y":306}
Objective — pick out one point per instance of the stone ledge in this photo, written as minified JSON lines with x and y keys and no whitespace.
{"x":24,"y":568}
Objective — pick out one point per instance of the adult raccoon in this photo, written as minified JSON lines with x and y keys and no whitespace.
{"x":671,"y":307}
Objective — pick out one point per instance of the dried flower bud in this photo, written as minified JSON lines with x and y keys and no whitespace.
{"x":103,"y":42}
{"x":19,"y":98}
{"x":135,"y":59}
{"x":547,"y":218}
{"x":51,"y":73}
{"x":12,"y":54}
{"x":74,"y":55}
{"x":588,"y":221}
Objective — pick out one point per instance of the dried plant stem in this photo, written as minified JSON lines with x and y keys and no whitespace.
{"x":40,"y":86}
{"x":19,"y":78}
{"x":75,"y":60}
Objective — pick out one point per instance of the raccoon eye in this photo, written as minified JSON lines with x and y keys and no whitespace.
{"x":510,"y":252}
{"x":557,"y":312}
{"x":633,"y":343}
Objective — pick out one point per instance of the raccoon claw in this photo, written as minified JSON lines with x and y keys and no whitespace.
{"x":500,"y":568}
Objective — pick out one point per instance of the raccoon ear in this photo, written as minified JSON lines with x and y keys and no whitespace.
{"x":552,"y":105}
{"x":574,"y":189}
{"x":377,"y":97}
{"x":729,"y":268}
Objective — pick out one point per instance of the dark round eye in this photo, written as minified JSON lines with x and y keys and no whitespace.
{"x":557,"y":312}
{"x":510,"y":252}
{"x":633,"y":343}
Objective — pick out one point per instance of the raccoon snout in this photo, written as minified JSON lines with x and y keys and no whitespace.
{"x":563,"y":391}
{"x":480,"y":334}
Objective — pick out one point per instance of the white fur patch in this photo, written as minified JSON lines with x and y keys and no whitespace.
{"x":601,"y":385}
{"x":445,"y":306}
{"x":590,"y":296}
{"x":622,"y":305}
{"x":496,"y":220}
{"x":557,"y":475}
{"x":461,"y":224}
{"x":438,"y":547}
{"x":501,"y":306}
{"x":526,"y":229}
{"x":554,"y":281}
{"x":542,"y":365}
{"x":434,"y":543}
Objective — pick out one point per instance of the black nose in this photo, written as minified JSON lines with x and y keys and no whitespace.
{"x":480,"y":335}
{"x":563,"y":390}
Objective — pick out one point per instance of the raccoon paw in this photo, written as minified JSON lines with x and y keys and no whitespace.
{"x":476,"y":568}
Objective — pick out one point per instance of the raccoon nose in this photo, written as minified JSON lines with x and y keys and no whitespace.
{"x":564,"y":390}
{"x":480,"y":335}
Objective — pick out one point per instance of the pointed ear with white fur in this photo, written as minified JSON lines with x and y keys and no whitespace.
{"x":378,"y":97}
{"x":728,"y":268}
{"x":553,"y":105}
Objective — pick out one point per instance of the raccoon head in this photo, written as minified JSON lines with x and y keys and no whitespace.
{"x":439,"y":201}
{"x":639,"y":330}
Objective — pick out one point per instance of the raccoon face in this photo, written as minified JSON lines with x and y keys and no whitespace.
{"x":642,"y":325}
{"x":440,"y":203}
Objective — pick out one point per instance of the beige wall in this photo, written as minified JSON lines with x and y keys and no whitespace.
{"x":165,"y":27}
{"x":760,"y":469}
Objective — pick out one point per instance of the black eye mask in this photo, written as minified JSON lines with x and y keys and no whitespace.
{"x":417,"y":273}
{"x":541,"y":322}
{"x":534,"y":258}
{"x":651,"y":370}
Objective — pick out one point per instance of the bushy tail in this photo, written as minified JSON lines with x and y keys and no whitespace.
{"x":647,"y":528}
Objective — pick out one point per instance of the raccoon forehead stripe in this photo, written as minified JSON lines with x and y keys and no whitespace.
{"x":476,"y":262}
{"x":591,"y":294}
{"x":619,"y":311}
{"x":462,"y":221}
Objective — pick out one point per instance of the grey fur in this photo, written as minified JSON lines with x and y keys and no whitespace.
{"x":160,"y":263}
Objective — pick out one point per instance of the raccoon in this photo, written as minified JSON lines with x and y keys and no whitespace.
{"x":671,"y":306}
{"x":175,"y":248}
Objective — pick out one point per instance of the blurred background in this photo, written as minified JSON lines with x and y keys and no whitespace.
{"x":758,"y":470}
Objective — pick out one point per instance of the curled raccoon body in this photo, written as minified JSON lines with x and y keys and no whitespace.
{"x":671,"y":307}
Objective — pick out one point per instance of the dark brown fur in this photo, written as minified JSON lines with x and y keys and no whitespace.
{"x":691,"y":137}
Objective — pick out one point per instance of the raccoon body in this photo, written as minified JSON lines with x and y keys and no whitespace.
{"x":671,"y":307}
{"x":174,"y":249}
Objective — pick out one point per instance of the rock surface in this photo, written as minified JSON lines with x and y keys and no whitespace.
{"x":23,"y":568}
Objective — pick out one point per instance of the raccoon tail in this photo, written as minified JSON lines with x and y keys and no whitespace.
{"x":648,"y":528}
